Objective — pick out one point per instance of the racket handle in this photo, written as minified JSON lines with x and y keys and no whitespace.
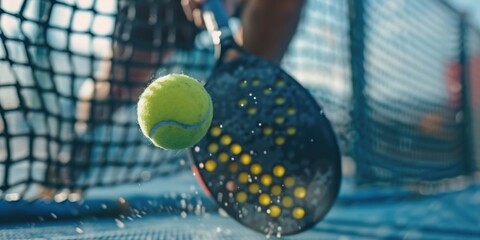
{"x":215,"y":18}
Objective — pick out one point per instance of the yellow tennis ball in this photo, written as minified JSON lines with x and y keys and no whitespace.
{"x":175,"y":111}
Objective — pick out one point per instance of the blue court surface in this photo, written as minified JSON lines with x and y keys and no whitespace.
{"x":176,"y":208}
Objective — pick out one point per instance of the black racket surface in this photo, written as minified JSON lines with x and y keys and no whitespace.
{"x":270,"y":158}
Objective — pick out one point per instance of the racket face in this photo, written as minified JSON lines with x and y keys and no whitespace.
{"x":270,"y":158}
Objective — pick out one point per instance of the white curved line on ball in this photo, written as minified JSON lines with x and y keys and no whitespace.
{"x":180,"y":124}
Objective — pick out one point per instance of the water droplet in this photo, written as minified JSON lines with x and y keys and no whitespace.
{"x":54,"y":215}
{"x":119,"y":223}
{"x":79,"y":230}
{"x":197,"y":149}
{"x":218,"y":229}
{"x":60,"y":197}
{"x":104,"y":206}
{"x":74,"y":197}
{"x":122,"y":200}
{"x":183,"y":214}
{"x":222,"y":212}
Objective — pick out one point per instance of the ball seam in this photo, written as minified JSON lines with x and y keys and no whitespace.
{"x":168,"y":122}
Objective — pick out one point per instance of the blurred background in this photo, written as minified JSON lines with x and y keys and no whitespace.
{"x":398,"y":79}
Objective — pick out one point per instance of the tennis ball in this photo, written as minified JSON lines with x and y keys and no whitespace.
{"x":175,"y":111}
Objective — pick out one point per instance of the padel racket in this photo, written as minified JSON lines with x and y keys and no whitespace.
{"x":270,"y":158}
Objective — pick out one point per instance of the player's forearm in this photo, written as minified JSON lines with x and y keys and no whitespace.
{"x":269,"y":26}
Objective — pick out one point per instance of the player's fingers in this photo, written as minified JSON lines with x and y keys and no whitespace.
{"x":187,"y":9}
{"x":197,"y":18}
{"x":192,"y":9}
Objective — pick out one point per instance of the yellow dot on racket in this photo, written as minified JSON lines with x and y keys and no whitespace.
{"x":245,"y":158}
{"x":267,"y":130}
{"x":276,"y":190}
{"x":291,"y":111}
{"x":280,"y":82}
{"x":266,"y":180}
{"x":233,"y":167}
{"x":278,"y":171}
{"x":289,"y":181}
{"x":300,"y":192}
{"x":243,"y":177}
{"x":241,"y":197}
{"x":291,"y":130}
{"x":279,"y":100}
{"x":253,"y":188}
{"x":264,"y":199}
{"x":279,"y":119}
{"x":267,"y":90}
{"x":279,"y":140}
{"x":255,"y":82}
{"x":215,"y":131}
{"x":212,"y":147}
{"x":242,"y":102}
{"x":243,"y":83}
{"x":236,"y":148}
{"x":226,"y":139}
{"x":223,"y":157}
{"x":274,"y":211}
{"x":298,"y":213}
{"x":210,"y":165}
{"x":252,"y":110}
{"x":287,"y":201}
{"x":256,"y":169}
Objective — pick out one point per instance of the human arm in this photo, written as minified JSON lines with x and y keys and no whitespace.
{"x":267,"y":26}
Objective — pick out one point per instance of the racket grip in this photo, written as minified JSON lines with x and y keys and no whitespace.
{"x":214,"y":15}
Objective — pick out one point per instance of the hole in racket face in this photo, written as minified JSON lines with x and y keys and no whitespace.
{"x":270,"y":159}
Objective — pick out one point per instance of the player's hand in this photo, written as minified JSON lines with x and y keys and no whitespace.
{"x":193,"y":9}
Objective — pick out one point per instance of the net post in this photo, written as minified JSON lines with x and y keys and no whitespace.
{"x":356,"y":10}
{"x":465,"y":95}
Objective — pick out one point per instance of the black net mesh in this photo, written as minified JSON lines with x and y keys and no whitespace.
{"x":386,"y":73}
{"x":319,"y":59}
{"x":71,"y":75}
{"x":411,"y":122}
